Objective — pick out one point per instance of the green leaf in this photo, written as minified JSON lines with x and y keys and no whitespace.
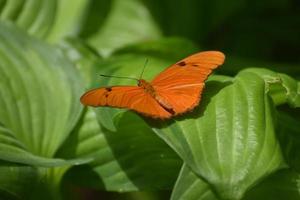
{"x":49,"y":183}
{"x":83,"y":56}
{"x":34,"y":16}
{"x":129,"y":159}
{"x":25,"y":182}
{"x":292,"y":87}
{"x":283,"y":184}
{"x":191,"y":187}
{"x":69,"y":15}
{"x":229,"y":140}
{"x":16,"y":181}
{"x":50,"y":20}
{"x":127,"y":22}
{"x":281,"y":87}
{"x":11,"y":149}
{"x":289,"y":136}
{"x":280,"y":185}
{"x":39,"y":97}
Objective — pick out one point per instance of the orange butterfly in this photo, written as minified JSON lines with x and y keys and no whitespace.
{"x":174,"y":91}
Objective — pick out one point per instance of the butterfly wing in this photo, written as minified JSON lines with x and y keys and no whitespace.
{"x":181,"y":84}
{"x":131,"y":97}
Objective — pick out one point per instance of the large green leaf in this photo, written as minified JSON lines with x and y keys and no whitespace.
{"x":39,"y":92}
{"x":83,"y":56}
{"x":16,"y":181}
{"x":229,"y":140}
{"x":189,"y":186}
{"x":45,"y":19}
{"x":25,"y":182}
{"x":69,"y":15}
{"x":127,"y":22}
{"x":34,"y":16}
{"x":131,"y":158}
{"x":11,"y":149}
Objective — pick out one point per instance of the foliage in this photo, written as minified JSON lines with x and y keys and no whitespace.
{"x":240,"y":143}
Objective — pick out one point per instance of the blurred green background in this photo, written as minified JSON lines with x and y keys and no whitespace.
{"x":93,"y":33}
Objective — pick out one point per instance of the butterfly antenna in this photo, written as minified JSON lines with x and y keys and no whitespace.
{"x":146,"y":62}
{"x":110,"y":76}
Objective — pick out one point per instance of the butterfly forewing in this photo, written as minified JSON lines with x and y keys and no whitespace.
{"x":200,"y":63}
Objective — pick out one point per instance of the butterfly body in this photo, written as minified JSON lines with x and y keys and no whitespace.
{"x":174,"y":91}
{"x":147,"y":87}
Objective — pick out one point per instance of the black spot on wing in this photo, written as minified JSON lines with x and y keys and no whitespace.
{"x":182,"y":63}
{"x":108,"y":89}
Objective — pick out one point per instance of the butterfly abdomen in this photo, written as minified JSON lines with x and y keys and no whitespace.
{"x":163,"y":103}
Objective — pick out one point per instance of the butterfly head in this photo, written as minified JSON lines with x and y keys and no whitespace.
{"x":142,"y":83}
{"x":146,"y":86}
